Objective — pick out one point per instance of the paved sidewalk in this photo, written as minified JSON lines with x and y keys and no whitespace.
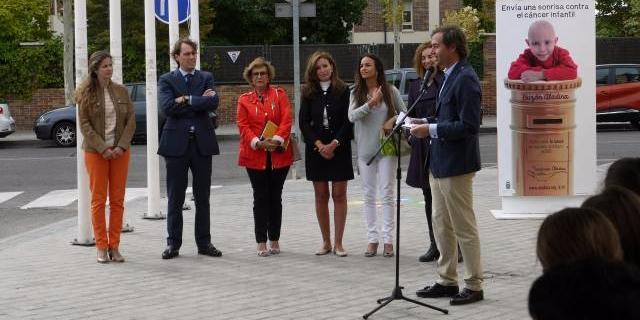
{"x":43,"y":277}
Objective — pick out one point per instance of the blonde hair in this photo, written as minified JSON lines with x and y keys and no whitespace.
{"x":417,"y":58}
{"x":258,"y":62}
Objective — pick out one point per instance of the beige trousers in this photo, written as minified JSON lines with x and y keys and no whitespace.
{"x":455,"y":222}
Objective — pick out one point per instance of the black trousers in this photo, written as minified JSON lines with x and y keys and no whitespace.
{"x":428,"y":209}
{"x":267,"y":201}
{"x":177,"y":180}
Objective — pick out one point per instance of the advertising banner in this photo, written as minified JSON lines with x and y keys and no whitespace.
{"x":545,"y":69}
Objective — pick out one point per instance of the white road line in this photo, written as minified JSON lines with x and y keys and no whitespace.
{"x":190,"y":189}
{"x":4,"y":196}
{"x":55,"y":198}
{"x":63,"y":198}
{"x":134,"y":193}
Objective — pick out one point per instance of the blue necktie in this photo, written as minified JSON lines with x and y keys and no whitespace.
{"x":444,"y":82}
{"x":187,"y":79}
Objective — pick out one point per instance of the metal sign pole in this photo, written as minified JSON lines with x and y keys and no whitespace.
{"x":85,"y":231}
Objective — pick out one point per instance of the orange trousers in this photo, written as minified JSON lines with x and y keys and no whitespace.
{"x":107,"y":177}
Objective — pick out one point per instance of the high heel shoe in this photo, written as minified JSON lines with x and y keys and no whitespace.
{"x":115,"y":255}
{"x":102,"y":256}
{"x":262,"y":250}
{"x":274,"y":249}
{"x":388,"y":250}
{"x":372,"y":250}
{"x":340,"y":253}
{"x":324,"y":250}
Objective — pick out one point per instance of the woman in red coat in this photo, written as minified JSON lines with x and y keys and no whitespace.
{"x":267,"y":157}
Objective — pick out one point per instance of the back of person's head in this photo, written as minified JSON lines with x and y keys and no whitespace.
{"x":622,"y":208}
{"x":575,"y":234}
{"x":585,"y":290}
{"x":625,"y":172}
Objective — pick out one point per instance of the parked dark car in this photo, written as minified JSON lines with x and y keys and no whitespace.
{"x":60,"y":124}
{"x":618,"y":93}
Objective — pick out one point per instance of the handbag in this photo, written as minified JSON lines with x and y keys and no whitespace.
{"x":297,"y":156}
{"x":292,"y":141}
{"x":390,"y":148}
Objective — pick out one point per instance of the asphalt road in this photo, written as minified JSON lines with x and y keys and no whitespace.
{"x":38,"y":167}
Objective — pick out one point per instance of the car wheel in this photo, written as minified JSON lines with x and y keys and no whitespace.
{"x":64,"y":134}
{"x":636,"y":124}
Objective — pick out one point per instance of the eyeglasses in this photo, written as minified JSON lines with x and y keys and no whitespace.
{"x":259,"y":74}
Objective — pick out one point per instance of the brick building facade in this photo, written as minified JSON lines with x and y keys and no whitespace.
{"x":415,"y":28}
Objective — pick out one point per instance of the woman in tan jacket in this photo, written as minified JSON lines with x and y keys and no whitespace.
{"x":107,"y":122}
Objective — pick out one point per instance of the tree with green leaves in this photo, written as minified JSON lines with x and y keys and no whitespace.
{"x":253,"y":22}
{"x":334,"y":22}
{"x":133,"y":36}
{"x":23,"y":68}
{"x":617,"y":18}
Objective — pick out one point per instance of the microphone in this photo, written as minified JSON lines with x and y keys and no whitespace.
{"x":425,"y":79}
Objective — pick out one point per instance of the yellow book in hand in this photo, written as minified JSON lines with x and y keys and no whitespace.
{"x":269,"y":131}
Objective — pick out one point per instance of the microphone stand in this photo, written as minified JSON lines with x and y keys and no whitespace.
{"x":396,"y":294}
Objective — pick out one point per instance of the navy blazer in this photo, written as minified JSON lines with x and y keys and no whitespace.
{"x":456,"y":151}
{"x":175,"y":133}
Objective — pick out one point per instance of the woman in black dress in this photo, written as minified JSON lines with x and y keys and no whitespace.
{"x":417,"y":175}
{"x":327,"y":134}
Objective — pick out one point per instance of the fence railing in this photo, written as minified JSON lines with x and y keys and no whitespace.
{"x":220,"y":59}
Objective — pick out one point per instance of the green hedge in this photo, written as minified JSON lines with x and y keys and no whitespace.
{"x":476,"y":57}
{"x":23,"y":69}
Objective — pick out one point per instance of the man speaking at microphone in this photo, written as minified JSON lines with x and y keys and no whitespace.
{"x":454,"y":157}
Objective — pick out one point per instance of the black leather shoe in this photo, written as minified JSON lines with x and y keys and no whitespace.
{"x":466,"y":296}
{"x":437,"y":291}
{"x":170,"y":253}
{"x":210,"y":250}
{"x":431,"y":255}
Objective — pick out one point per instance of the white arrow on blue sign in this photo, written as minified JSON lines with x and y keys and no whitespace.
{"x":162,"y":10}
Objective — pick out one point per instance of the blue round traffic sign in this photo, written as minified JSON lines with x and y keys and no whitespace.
{"x":162,"y":10}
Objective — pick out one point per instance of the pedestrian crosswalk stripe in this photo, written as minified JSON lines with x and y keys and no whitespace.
{"x":134,"y":193}
{"x":4,"y":196}
{"x":190,"y":189}
{"x":63,"y":198}
{"x":55,"y":198}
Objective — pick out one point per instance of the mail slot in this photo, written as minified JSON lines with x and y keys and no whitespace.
{"x":542,"y":127}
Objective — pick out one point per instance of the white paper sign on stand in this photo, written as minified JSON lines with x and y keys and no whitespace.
{"x":545,"y":69}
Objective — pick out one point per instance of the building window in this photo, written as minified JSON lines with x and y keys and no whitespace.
{"x":407,"y":15}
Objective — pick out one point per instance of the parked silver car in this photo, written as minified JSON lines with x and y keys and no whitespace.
{"x":401,"y":79}
{"x":7,"y":124}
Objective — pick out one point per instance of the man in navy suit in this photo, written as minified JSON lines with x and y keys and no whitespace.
{"x":454,"y":158}
{"x":188,"y":141}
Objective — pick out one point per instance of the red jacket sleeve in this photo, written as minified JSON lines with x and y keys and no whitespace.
{"x":244,"y":123}
{"x":521,"y":65}
{"x":563,"y":66}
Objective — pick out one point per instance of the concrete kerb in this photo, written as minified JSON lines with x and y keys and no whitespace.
{"x":230,"y":131}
